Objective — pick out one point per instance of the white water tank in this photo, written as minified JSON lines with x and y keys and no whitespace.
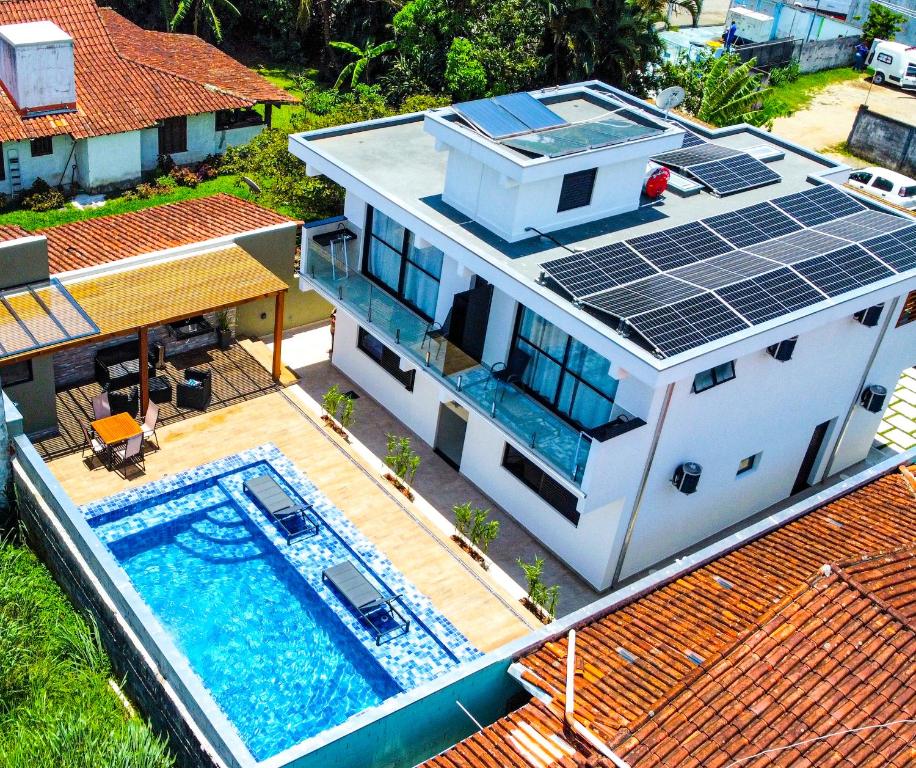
{"x":752,"y":25}
{"x":36,"y":67}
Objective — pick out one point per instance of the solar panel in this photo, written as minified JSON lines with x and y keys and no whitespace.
{"x":722,"y":270}
{"x":678,"y":246}
{"x":582,"y":274}
{"x":818,"y":205}
{"x":769,"y":295}
{"x":752,"y":225}
{"x":488,"y":116}
{"x":734,"y":174}
{"x":796,"y":246}
{"x":579,"y":137}
{"x":863,"y":225}
{"x":843,"y":270}
{"x":896,"y":249}
{"x":685,"y":324}
{"x":691,"y":140}
{"x":643,"y":296}
{"x":696,"y":154}
{"x":528,"y":110}
{"x":823,"y":273}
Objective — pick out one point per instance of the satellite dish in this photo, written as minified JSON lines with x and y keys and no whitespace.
{"x":670,"y":97}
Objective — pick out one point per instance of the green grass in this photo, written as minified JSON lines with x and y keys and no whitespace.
{"x":792,"y":97}
{"x":286,"y":79}
{"x":56,"y":705}
{"x":30,"y":220}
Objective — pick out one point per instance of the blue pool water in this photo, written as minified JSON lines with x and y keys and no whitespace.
{"x":281,"y":656}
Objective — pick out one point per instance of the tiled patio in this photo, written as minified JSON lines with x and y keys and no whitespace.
{"x":898,"y":427}
{"x":235,"y":374}
{"x":481,"y":609}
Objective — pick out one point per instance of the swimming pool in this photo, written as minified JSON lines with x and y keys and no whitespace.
{"x":281,"y":656}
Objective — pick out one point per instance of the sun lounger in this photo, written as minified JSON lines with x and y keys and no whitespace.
{"x":378,"y":611}
{"x":276,"y":503}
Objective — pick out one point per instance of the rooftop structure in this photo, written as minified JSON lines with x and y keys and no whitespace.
{"x":761,"y":636}
{"x":586,"y":352}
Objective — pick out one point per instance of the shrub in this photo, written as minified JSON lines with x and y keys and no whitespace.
{"x":464,"y":518}
{"x":43,"y":197}
{"x":164,"y":165}
{"x":338,"y":406}
{"x":147,"y":190}
{"x":206,"y":172}
{"x":472,"y":523}
{"x":538,"y":592}
{"x":183,"y":176}
{"x":401,"y":459}
{"x":784,"y":75}
{"x":882,"y":24}
{"x":465,"y":77}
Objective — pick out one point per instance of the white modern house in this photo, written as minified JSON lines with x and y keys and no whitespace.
{"x":627,"y":375}
{"x":90,"y":99}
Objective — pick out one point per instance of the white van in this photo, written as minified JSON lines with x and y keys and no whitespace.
{"x":893,"y":62}
{"x":890,"y":185}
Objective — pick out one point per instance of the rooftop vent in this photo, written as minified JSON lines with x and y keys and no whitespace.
{"x":36,"y":67}
{"x":783,"y":350}
{"x":687,"y":477}
{"x":694,"y":657}
{"x":873,"y":397}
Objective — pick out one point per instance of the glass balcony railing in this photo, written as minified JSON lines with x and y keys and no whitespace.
{"x":554,"y":440}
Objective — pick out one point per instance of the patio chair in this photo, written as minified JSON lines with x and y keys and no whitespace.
{"x":195,"y":391}
{"x":437,"y":332}
{"x":379,"y":612}
{"x":92,"y":443}
{"x":129,"y":452}
{"x":150,"y":418}
{"x":511,"y":372}
{"x":291,"y":516}
{"x":124,"y":401}
{"x":101,"y":408}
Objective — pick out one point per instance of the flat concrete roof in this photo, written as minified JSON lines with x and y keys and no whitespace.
{"x":397,"y":159}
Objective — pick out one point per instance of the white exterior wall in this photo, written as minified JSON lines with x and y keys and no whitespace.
{"x":507,"y":207}
{"x":770,"y":408}
{"x":149,"y":148}
{"x":109,"y":160}
{"x":203,"y":140}
{"x":48,"y":167}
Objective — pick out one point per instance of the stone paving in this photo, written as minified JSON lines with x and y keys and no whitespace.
{"x":898,"y":427}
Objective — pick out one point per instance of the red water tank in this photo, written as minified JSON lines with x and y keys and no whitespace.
{"x":657,"y":182}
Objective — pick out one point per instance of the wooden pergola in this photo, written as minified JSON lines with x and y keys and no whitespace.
{"x":135,"y":300}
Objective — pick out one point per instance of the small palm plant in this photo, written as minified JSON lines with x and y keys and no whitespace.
{"x":200,"y":9}
{"x":539,"y":594}
{"x":401,"y":458}
{"x":359,"y":68}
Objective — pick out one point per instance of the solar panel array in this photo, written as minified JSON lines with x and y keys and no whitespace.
{"x":698,"y":282}
{"x":722,"y":170}
{"x":509,"y":115}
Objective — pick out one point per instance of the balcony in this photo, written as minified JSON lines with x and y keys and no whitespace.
{"x":552,"y":439}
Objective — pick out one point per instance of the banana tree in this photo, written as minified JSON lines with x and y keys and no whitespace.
{"x":731,"y":93}
{"x":359,"y":67}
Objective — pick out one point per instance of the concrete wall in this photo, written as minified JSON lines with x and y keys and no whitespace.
{"x":55,"y":168}
{"x":107,"y":161}
{"x":884,"y":141}
{"x":276,"y":250}
{"x":35,"y":398}
{"x":816,"y":55}
{"x":23,"y":261}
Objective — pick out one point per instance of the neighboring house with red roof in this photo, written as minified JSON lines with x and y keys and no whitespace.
{"x":89,"y":98}
{"x":798,"y":644}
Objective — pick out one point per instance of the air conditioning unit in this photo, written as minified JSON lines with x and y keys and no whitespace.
{"x":869,"y":317}
{"x":783,"y":351}
{"x":687,"y":477}
{"x":873,"y":397}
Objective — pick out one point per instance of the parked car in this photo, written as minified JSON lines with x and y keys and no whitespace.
{"x":892,"y":186}
{"x":893,"y":62}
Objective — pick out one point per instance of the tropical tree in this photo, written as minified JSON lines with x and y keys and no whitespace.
{"x":571,"y":36}
{"x":628,"y":44}
{"x":360,"y":66}
{"x":202,"y":9}
{"x":882,"y":23}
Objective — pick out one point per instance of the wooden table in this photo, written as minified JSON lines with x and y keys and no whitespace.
{"x":116,"y":429}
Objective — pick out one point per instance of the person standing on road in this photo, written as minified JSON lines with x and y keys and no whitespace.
{"x":861,"y":51}
{"x":731,"y":34}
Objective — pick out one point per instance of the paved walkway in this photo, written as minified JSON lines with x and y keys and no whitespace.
{"x":898,"y":428}
{"x":438,"y":486}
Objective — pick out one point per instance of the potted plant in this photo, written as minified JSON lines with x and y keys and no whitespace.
{"x":223,"y":329}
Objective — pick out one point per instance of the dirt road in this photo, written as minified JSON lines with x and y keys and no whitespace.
{"x":829,"y":118}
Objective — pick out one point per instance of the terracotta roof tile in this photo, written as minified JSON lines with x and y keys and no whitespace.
{"x":764,"y":615}
{"x":12,"y":232}
{"x":115,"y":92}
{"x":105,"y":239}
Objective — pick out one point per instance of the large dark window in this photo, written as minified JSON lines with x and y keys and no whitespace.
{"x":541,"y":483}
{"x":714,"y":377}
{"x":394,"y":261}
{"x":563,"y":373}
{"x":173,"y":135}
{"x":387,"y":359}
{"x":42,"y":146}
{"x":227,"y":119}
{"x":576,"y":191}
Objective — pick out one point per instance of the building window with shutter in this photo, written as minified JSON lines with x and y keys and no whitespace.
{"x":42,"y":146}
{"x":908,"y":315}
{"x":576,"y":191}
{"x":173,"y":135}
{"x":541,"y":483}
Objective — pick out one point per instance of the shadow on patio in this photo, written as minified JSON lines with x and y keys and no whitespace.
{"x":236,"y":377}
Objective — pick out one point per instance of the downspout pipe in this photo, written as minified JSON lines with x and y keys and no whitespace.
{"x":570,"y":718}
